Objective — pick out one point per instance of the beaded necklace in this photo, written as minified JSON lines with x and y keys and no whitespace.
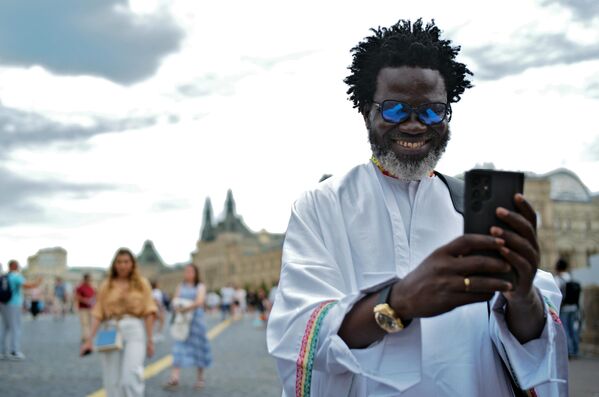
{"x":376,"y":162}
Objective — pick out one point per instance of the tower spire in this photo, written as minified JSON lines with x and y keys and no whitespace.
{"x":230,"y":203}
{"x":230,"y":217}
{"x":208,"y":233}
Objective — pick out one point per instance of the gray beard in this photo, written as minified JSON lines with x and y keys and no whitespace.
{"x":409,"y":170}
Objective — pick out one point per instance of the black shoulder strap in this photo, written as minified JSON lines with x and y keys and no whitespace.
{"x":456,"y":191}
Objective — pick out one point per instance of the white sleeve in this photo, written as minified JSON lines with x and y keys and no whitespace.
{"x":312,"y":300}
{"x":541,"y":363}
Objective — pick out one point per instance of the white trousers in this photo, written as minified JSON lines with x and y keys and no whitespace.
{"x":123,"y":370}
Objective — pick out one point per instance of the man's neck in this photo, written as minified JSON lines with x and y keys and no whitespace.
{"x":385,"y":172}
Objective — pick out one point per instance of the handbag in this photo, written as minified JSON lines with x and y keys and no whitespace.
{"x":108,"y":338}
{"x":181,"y":322}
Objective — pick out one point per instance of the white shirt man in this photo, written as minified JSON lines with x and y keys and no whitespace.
{"x":331,"y":252}
{"x":381,"y":293}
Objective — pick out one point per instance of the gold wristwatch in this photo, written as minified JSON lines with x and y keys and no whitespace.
{"x":384,"y":314}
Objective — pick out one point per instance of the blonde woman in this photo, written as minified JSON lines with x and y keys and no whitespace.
{"x":125,"y":298}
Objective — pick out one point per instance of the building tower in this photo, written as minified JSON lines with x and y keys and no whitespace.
{"x":208,"y":232}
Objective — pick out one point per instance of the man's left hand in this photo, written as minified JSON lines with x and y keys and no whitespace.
{"x":521,"y":249}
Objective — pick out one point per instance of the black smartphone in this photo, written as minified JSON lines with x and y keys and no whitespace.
{"x":486,"y":190}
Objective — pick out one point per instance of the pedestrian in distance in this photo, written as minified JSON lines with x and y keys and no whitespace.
{"x":239,"y":302}
{"x":125,"y":304}
{"x":194,"y":351}
{"x":10,"y":311}
{"x":569,"y":312}
{"x":85,"y":297}
{"x":381,"y":293}
{"x":212,"y":303}
{"x":263,"y":307}
{"x":158,"y":296}
{"x":59,"y":304}
{"x":227,"y":296}
{"x":36,"y":297}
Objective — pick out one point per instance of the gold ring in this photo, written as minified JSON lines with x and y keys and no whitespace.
{"x":467,"y":283}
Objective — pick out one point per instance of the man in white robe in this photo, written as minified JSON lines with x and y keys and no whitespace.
{"x":387,"y":234}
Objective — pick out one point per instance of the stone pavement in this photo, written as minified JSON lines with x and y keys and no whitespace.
{"x":241,"y":365}
{"x":53,"y":368}
{"x":584,"y":377}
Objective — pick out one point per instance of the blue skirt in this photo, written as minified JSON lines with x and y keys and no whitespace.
{"x":195,"y":350}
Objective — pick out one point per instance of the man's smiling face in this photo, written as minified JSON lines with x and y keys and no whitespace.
{"x":410,"y":149}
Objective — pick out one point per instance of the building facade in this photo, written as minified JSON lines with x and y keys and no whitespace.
{"x":229,"y":252}
{"x":567,"y":216}
{"x":50,"y":263}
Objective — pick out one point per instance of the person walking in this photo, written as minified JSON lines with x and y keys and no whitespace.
{"x":227,"y":294}
{"x":240,"y":302}
{"x":59,"y":304}
{"x":569,"y":312}
{"x":124,"y":300}
{"x":212,"y":302}
{"x":11,"y":312}
{"x":36,"y":297}
{"x":193,"y":352}
{"x":84,"y":300}
{"x":263,"y":306}
{"x":158,"y":296}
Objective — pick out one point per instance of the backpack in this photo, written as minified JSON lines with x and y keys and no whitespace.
{"x":572,"y":294}
{"x":5,"y":291}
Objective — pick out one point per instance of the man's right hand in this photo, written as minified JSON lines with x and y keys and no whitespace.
{"x":437,"y":285}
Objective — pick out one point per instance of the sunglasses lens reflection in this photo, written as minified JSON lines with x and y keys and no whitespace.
{"x":432,"y":114}
{"x":398,"y":112}
{"x":395,"y":112}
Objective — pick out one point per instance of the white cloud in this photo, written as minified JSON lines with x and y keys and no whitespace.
{"x":262,"y":109}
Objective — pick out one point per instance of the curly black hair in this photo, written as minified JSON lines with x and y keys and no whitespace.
{"x":404,"y":44}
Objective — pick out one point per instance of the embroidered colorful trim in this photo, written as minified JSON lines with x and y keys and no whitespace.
{"x":305,"y":361}
{"x":387,"y":173}
{"x":552,"y":311}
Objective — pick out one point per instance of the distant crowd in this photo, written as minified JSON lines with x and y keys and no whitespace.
{"x":126,"y":315}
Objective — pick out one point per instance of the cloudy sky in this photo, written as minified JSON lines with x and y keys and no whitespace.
{"x":118,"y":118}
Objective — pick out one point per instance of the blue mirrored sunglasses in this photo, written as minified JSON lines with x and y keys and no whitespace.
{"x":397,"y":112}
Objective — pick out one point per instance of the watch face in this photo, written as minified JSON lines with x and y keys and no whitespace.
{"x":388,"y":323}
